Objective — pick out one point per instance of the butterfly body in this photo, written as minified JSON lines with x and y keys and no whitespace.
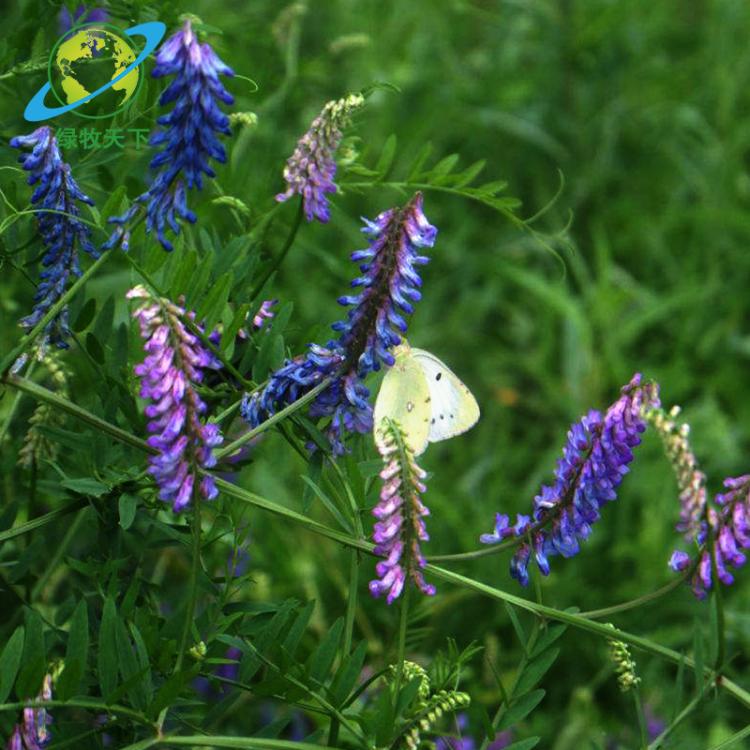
{"x":426,"y":398}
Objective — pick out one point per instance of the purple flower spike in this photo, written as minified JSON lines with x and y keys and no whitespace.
{"x":33,"y":733}
{"x":399,"y":528}
{"x":66,"y":21}
{"x":56,"y":196}
{"x":729,"y":525}
{"x":169,"y":375}
{"x":15,"y":742}
{"x":265,"y":313}
{"x":594,"y":461}
{"x":188,"y":137}
{"x":375,"y":323}
{"x":310,"y":170}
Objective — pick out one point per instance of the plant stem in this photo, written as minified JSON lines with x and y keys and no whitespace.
{"x":576,"y":620}
{"x":351,"y":601}
{"x":657,"y":743}
{"x":227,"y":450}
{"x":44,"y":394}
{"x":721,"y":630}
{"x":638,"y":703}
{"x":90,"y":705}
{"x":193,"y":582}
{"x":30,"y":337}
{"x":275,"y":265}
{"x":36,"y":523}
{"x":401,"y":646}
{"x":733,"y":740}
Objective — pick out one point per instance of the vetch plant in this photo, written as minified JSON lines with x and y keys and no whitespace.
{"x":180,"y":404}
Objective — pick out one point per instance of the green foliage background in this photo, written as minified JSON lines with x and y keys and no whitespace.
{"x":642,"y":107}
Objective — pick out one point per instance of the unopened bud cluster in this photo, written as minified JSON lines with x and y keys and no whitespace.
{"x":625,"y":666}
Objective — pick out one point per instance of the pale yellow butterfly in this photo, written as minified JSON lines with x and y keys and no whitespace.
{"x":428,"y":401}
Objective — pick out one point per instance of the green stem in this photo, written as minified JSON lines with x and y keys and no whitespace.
{"x":187,"y":627}
{"x":657,"y":743}
{"x":276,"y":264}
{"x":243,"y":743}
{"x":351,"y":601}
{"x":638,"y":703}
{"x":227,"y":450}
{"x":733,"y":740}
{"x":575,"y":620}
{"x":44,"y":394}
{"x":31,"y":336}
{"x":595,"y":614}
{"x":718,"y":601}
{"x":401,"y":646}
{"x":36,"y":523}
{"x":60,"y":550}
{"x":90,"y":705}
{"x":14,"y":407}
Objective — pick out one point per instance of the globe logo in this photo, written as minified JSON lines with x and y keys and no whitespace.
{"x":86,"y":60}
{"x":94,"y":70}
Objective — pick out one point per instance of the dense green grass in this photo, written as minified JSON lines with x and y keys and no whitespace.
{"x":632,"y":116}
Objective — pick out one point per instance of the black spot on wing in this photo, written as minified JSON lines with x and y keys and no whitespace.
{"x":438,"y":376}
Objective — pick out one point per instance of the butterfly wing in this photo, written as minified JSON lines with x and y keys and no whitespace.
{"x":405,"y":398}
{"x":454,"y":410}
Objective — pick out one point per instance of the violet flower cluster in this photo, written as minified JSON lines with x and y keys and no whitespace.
{"x":56,"y":198}
{"x":33,"y":733}
{"x":390,"y":284}
{"x":66,"y":21}
{"x":173,"y":367}
{"x":400,"y":512}
{"x":594,"y":461}
{"x":188,"y":136}
{"x":310,"y":170}
{"x":726,"y":530}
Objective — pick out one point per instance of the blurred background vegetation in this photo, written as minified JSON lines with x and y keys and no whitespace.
{"x":642,"y":107}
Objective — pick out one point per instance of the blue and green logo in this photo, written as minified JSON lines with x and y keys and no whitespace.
{"x":94,"y":70}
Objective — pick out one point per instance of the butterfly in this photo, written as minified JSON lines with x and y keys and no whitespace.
{"x":427,"y":400}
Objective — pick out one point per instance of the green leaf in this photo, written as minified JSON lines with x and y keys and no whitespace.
{"x":314,"y":470}
{"x":86,"y":486}
{"x":94,"y":348}
{"x":524,"y":744}
{"x":76,"y":653}
{"x":385,"y":161}
{"x":535,"y":670}
{"x":130,"y":668}
{"x":144,"y":664}
{"x":330,"y":505}
{"x":443,"y":168}
{"x":322,"y":659}
{"x":114,"y":204}
{"x":520,"y":709}
{"x":469,"y":174}
{"x":552,"y":632}
{"x":347,"y":674}
{"x":212,"y":306}
{"x":34,"y":659}
{"x":419,"y":162}
{"x":298,"y":628}
{"x":127,"y":506}
{"x":85,"y":316}
{"x":10,"y":661}
{"x":516,"y":624}
{"x":698,"y":656}
{"x":107,"y":656}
